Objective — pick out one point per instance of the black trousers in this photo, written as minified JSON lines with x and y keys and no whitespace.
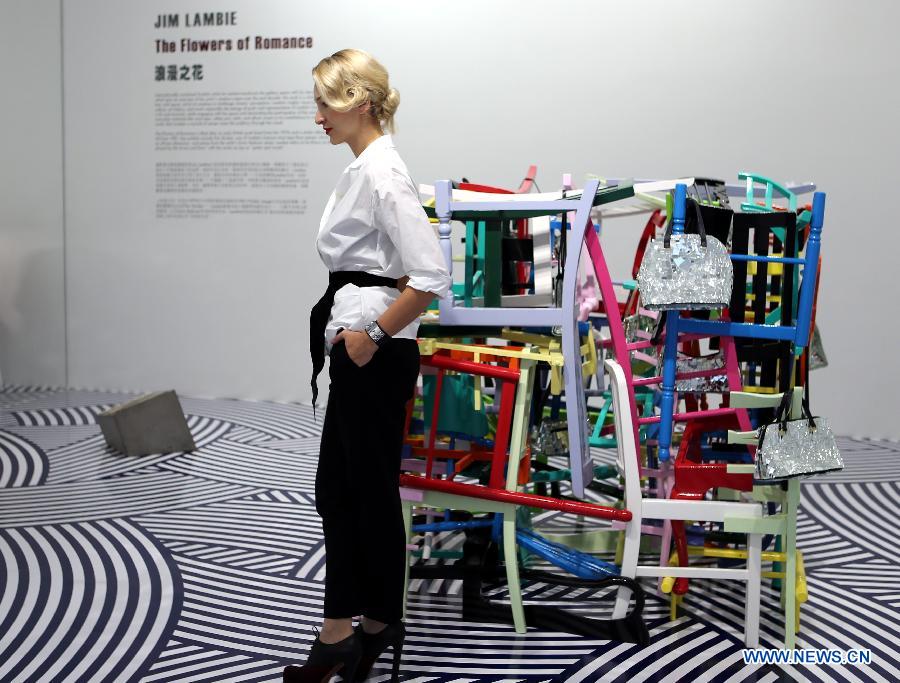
{"x":357,"y":481}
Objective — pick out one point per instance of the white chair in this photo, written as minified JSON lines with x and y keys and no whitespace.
{"x":730,"y":513}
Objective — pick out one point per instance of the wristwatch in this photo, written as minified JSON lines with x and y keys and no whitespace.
{"x":376,"y":334}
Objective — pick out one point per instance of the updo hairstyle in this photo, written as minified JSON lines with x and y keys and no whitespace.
{"x":350,"y":78}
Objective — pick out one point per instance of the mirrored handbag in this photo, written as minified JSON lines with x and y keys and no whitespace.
{"x":686,"y":363}
{"x":685,"y":271}
{"x":796,"y":448}
{"x":550,"y":438}
{"x":817,"y":357}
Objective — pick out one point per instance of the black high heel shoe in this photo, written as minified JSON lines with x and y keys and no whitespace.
{"x":373,"y":644}
{"x":325,"y":660}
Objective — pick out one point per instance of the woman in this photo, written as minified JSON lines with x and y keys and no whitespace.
{"x":385,"y":267}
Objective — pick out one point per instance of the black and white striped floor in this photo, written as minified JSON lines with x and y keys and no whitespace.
{"x":208,"y":566}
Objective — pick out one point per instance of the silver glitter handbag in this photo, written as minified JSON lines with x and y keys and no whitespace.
{"x":817,"y":357}
{"x":685,"y":271}
{"x":796,"y":448}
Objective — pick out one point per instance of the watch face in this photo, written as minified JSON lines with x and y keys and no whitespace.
{"x":375,"y":332}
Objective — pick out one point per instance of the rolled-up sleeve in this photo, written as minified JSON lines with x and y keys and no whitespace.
{"x":399,"y":214}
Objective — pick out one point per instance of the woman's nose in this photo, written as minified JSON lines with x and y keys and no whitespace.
{"x":319,"y":119}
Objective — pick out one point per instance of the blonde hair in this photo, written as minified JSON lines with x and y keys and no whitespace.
{"x":350,"y":78}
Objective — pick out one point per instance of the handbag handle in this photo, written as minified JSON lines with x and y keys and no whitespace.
{"x":668,"y":234}
{"x":705,"y":184}
{"x":782,"y":414}
{"x":809,"y":415}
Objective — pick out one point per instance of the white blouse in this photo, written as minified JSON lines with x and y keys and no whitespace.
{"x":374,"y":222}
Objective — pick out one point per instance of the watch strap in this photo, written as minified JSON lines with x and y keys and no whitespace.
{"x":377,"y":334}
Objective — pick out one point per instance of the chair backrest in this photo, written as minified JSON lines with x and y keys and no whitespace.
{"x":794,"y":319}
{"x":771,"y":187}
{"x":765,"y":234}
{"x":626,"y":453}
{"x":510,"y":260}
{"x":765,"y":292}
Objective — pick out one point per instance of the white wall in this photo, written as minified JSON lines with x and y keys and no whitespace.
{"x":215,"y":307}
{"x":796,"y":91}
{"x":32,"y":314}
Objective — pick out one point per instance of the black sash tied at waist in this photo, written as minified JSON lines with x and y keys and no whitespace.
{"x":318,"y":317}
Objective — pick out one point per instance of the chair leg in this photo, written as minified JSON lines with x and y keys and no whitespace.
{"x":407,"y":525}
{"x":628,"y":567}
{"x":801,"y":592}
{"x":512,"y":569}
{"x":674,"y":602}
{"x":789,"y":588}
{"x":665,"y":548}
{"x":751,"y":605}
{"x":679,"y":535}
{"x":665,"y":484}
{"x":777,"y":583}
{"x":620,"y":547}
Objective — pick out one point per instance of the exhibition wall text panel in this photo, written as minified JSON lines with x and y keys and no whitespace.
{"x":196,"y":180}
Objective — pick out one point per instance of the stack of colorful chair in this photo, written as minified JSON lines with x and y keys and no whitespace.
{"x":513,"y":370}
